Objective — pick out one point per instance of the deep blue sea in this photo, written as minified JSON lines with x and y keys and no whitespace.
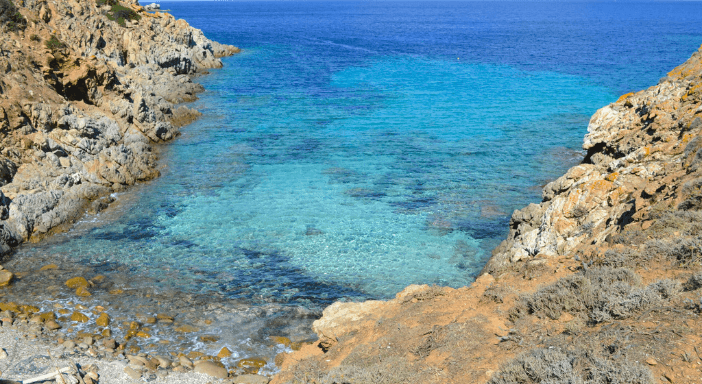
{"x":353,"y":148}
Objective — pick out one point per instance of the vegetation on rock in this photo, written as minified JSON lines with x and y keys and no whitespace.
{"x":119,"y":13}
{"x":54,"y":43}
{"x":10,"y":17}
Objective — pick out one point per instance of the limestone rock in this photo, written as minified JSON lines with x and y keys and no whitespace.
{"x":212,"y":369}
{"x":6,"y":278}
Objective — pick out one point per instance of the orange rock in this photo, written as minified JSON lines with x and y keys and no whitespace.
{"x":103,"y":320}
{"x":195,"y":355}
{"x":79,"y":317}
{"x":280,"y":340}
{"x":185,"y":328}
{"x":251,"y":364}
{"x":225,"y":352}
{"x":11,"y":306}
{"x":83,"y":292}
{"x":143,"y":335}
{"x":77,"y":282}
{"x":48,"y":267}
{"x":208,"y":338}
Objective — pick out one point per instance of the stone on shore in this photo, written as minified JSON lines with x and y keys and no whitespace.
{"x":6,"y":278}
{"x":103,"y":320}
{"x":77,"y":282}
{"x":212,"y":369}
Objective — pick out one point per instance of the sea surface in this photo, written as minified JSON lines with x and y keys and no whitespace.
{"x":354,"y":148}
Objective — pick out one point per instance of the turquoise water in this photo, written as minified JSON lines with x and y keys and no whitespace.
{"x":352,"y":149}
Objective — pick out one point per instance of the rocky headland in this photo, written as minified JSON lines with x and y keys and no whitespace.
{"x":601,"y":282}
{"x":87,"y":91}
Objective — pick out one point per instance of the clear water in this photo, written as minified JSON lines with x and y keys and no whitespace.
{"x":354,"y":148}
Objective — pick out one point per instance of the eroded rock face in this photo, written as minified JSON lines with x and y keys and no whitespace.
{"x":82,"y":101}
{"x":641,"y":151}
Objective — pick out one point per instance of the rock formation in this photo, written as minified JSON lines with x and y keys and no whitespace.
{"x":600,"y":282}
{"x":86,"y":90}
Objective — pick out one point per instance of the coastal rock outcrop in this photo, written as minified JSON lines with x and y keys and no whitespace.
{"x":599,"y":282}
{"x":641,"y":158}
{"x":84,"y":96}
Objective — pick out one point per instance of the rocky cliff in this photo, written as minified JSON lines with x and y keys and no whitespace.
{"x":87,"y":87}
{"x":601,"y":282}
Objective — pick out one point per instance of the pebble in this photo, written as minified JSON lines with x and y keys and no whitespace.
{"x":3,"y":354}
{"x":69,"y":344}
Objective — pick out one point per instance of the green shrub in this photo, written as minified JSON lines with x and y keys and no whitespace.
{"x":121,"y":14}
{"x":35,"y":37}
{"x":54,"y":43}
{"x":10,"y":17}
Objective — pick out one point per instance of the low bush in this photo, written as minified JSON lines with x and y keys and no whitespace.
{"x":684,"y":251}
{"x":555,"y":366}
{"x":601,"y":294}
{"x":10,"y":17}
{"x":625,"y":258}
{"x":121,"y":14}
{"x":494,"y":293}
{"x":107,"y":2}
{"x":35,"y":37}
{"x":54,"y":43}
{"x":694,"y":282}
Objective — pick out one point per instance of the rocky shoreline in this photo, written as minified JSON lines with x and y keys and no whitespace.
{"x":88,"y":90}
{"x":84,"y":99}
{"x":600,"y":282}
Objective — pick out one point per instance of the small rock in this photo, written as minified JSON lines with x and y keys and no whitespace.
{"x":651,"y":361}
{"x":212,"y":369}
{"x":52,"y":325}
{"x":69,"y":344}
{"x":132,"y":373}
{"x":163,"y":362}
{"x":3,"y":354}
{"x":5,"y":278}
{"x":79,"y":317}
{"x":48,"y":267}
{"x":250,"y":379}
{"x":88,"y":340}
{"x":184,"y":361}
{"x":109,"y":343}
{"x":225,"y":352}
{"x":82,"y":292}
{"x":280,"y":340}
{"x":77,"y":282}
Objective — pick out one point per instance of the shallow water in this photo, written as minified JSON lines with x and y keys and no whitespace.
{"x":352,"y":149}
